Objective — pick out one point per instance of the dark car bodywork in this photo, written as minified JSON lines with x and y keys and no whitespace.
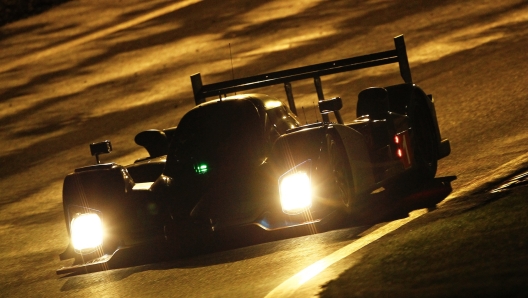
{"x":235,"y":161}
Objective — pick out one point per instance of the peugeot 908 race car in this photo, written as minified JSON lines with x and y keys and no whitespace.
{"x":246,"y":160}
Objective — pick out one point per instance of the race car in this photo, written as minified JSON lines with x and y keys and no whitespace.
{"x":246,"y":160}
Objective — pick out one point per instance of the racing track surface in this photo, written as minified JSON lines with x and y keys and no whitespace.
{"x":89,"y":70}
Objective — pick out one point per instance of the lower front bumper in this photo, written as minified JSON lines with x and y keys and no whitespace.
{"x":95,"y":265}
{"x":159,"y":249}
{"x":124,"y":256}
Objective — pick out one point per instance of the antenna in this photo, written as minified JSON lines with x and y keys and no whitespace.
{"x":231,"y":56}
{"x":315,"y":111}
{"x":232,"y":68}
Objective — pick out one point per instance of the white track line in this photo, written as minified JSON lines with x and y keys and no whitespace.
{"x":101,"y":33}
{"x":496,"y":176}
{"x":288,"y":287}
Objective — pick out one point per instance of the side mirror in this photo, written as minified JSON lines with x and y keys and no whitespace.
{"x":330,"y":105}
{"x":100,"y":148}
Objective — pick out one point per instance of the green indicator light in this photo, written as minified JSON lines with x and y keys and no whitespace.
{"x":200,"y":169}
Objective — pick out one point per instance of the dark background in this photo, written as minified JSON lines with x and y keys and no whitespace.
{"x":13,"y":10}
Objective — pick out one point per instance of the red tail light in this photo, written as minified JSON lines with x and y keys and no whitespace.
{"x":403,"y":148}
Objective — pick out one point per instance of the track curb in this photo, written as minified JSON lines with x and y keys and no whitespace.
{"x":486,"y":182}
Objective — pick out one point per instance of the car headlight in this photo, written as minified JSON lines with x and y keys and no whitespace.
{"x":86,"y":230}
{"x":295,"y":189}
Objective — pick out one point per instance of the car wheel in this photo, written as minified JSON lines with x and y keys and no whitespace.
{"x":424,"y":141}
{"x":342,"y":180}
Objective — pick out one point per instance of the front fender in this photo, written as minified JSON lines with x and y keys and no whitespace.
{"x":105,"y":189}
{"x":358,"y":156}
{"x":294,"y":148}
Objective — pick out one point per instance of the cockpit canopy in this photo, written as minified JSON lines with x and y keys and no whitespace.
{"x":236,"y":131}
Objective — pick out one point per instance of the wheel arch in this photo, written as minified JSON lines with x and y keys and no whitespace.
{"x":296,"y":147}
{"x":102,"y":188}
{"x":358,"y":156}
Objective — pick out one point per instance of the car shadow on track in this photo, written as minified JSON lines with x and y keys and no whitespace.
{"x":382,"y":208}
{"x":400,"y":202}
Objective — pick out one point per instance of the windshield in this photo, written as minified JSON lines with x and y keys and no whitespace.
{"x":283,"y":119}
{"x":223,"y":133}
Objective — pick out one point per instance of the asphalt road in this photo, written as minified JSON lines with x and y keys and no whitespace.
{"x":92,"y":70}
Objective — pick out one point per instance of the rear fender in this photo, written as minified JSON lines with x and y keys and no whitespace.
{"x":403,"y":97}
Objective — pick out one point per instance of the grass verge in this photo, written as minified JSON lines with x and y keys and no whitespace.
{"x":473,"y":247}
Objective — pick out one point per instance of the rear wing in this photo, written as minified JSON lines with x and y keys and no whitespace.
{"x":315,"y":71}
